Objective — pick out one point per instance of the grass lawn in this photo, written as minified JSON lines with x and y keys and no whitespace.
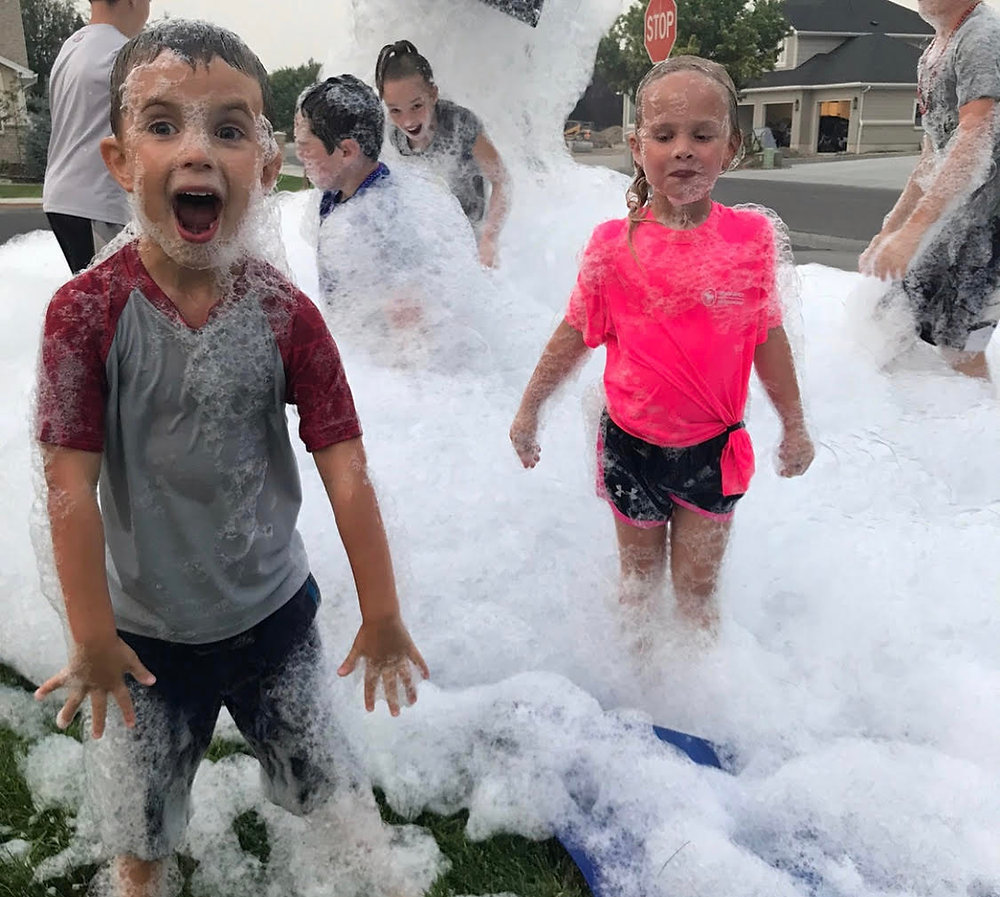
{"x":290,"y":182}
{"x":20,"y":191}
{"x":504,"y":863}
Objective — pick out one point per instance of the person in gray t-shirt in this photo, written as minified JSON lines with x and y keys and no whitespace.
{"x":449,"y":138}
{"x":941,"y":241}
{"x":84,"y":205}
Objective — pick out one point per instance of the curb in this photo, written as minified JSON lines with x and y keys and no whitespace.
{"x":822,"y":241}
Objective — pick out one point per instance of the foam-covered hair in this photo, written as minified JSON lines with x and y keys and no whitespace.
{"x":344,"y":107}
{"x":197,"y":43}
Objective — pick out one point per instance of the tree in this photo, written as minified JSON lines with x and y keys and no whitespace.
{"x":286,"y":85}
{"x":47,"y":24}
{"x":36,"y":141}
{"x":745,"y":38}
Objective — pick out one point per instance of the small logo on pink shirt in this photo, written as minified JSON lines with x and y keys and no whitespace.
{"x":722,"y":297}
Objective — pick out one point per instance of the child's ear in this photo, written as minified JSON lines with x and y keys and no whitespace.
{"x":270,"y":172}
{"x":118,"y":162}
{"x":350,"y":148}
{"x":633,"y":145}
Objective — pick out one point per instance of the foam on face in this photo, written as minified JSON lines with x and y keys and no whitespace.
{"x":198,"y":212}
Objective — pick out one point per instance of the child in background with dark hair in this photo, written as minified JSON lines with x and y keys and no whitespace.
{"x":682,"y":295}
{"x":164,"y":379}
{"x":393,"y":249}
{"x":448,"y":137}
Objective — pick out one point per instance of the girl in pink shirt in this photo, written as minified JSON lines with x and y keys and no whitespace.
{"x":682,"y":295}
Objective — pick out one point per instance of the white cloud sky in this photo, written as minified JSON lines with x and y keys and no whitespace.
{"x":280,"y":34}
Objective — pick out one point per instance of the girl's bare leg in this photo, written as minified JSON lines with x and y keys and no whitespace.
{"x":643,"y":557}
{"x":697,"y":546}
{"x":139,"y":878}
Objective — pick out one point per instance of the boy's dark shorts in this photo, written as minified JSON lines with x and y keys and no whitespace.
{"x":269,"y":678}
{"x":643,"y":482}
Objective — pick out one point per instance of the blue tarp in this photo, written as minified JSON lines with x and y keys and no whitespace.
{"x":617,"y":844}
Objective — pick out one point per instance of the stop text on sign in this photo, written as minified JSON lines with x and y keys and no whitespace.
{"x":659,"y":25}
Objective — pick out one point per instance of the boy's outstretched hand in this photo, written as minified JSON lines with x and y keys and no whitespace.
{"x":388,"y":651}
{"x":97,"y":671}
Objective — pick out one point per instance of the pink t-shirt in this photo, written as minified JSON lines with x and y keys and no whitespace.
{"x":680,"y":314}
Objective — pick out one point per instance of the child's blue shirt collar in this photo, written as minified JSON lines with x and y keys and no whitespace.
{"x":331,"y":198}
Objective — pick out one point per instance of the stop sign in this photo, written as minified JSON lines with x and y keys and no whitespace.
{"x":661,"y":28}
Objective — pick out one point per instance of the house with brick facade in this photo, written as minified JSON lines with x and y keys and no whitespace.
{"x":15,"y":78}
{"x":846,"y":79}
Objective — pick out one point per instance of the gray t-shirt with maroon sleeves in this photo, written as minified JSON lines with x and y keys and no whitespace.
{"x":199,"y":485}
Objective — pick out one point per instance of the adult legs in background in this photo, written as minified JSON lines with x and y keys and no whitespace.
{"x":76,"y":239}
{"x":972,"y":364}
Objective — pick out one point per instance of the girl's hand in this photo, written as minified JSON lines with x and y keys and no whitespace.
{"x":795,"y":453}
{"x":97,"y":671}
{"x":524,"y":438}
{"x":388,"y":651}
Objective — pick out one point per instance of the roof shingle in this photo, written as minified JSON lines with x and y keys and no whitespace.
{"x":870,"y":58}
{"x":853,"y":17}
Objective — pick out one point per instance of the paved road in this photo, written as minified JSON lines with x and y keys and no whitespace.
{"x":832,"y":208}
{"x":845,"y":199}
{"x":20,"y":220}
{"x":887,"y":172}
{"x":849,"y":213}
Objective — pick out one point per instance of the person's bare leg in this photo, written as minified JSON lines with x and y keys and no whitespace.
{"x":697,"y":546}
{"x":138,"y":878}
{"x":972,"y":364}
{"x":642,"y":554}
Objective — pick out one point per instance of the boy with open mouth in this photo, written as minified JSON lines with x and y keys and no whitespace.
{"x":164,"y":379}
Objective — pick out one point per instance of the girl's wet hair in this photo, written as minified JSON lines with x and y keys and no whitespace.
{"x":197,"y":43}
{"x":637,"y":195}
{"x":401,"y":60}
{"x":344,"y":107}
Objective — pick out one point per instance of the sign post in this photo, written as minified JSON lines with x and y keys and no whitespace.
{"x":661,"y":29}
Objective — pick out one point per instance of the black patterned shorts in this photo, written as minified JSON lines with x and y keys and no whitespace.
{"x":643,"y":482}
